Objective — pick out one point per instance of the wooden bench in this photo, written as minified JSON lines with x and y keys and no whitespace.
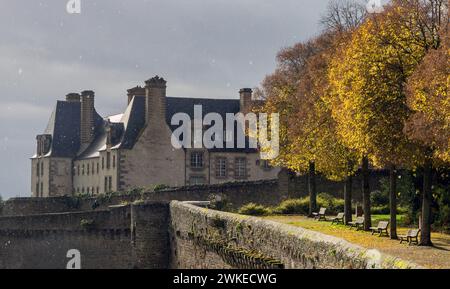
{"x":320,"y":215}
{"x":358,"y":223}
{"x":338,"y":219}
{"x":381,"y":228}
{"x":411,"y":237}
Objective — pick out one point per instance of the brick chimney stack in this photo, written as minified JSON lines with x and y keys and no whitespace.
{"x":87,"y":116}
{"x":73,"y":97}
{"x":135,"y":91}
{"x":155,"y":101}
{"x":245,"y":96}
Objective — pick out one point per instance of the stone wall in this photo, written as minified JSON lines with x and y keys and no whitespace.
{"x":178,"y":235}
{"x":122,"y":237}
{"x":263,"y":192}
{"x":42,"y":241}
{"x":201,"y":237}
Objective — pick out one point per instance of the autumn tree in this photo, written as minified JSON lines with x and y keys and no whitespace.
{"x":369,"y":105}
{"x":296,"y":91}
{"x":427,"y":91}
{"x":429,"y":123}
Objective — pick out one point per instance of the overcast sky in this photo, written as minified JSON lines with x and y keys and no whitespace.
{"x":203,"y":48}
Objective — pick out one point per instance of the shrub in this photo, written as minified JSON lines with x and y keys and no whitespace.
{"x":87,"y":224}
{"x":385,"y":210}
{"x":443,"y":203}
{"x":160,"y":187}
{"x":333,"y":205}
{"x":380,"y":198}
{"x":293,"y":206}
{"x":219,"y":202}
{"x":253,"y":209}
{"x":380,"y":210}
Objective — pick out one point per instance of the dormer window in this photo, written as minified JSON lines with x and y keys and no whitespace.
{"x":43,"y":144}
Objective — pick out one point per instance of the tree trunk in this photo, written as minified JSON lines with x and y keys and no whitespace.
{"x":393,"y":201}
{"x":425,"y":235}
{"x":366,"y":194}
{"x":312,"y":188}
{"x":348,"y":200}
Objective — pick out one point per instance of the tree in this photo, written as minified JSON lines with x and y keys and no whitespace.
{"x":343,"y":16}
{"x":429,"y":124}
{"x":297,"y":90}
{"x":368,"y":81}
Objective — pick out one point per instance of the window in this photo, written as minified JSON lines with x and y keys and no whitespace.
{"x":78,"y":170}
{"x":240,"y":168}
{"x":98,"y":189}
{"x":82,"y":171}
{"x":108,"y":160}
{"x":110,"y":184}
{"x":114,"y":161}
{"x":42,"y":189}
{"x":88,"y":169}
{"x":221,"y":167}
{"x":42,"y":169}
{"x":38,"y":169}
{"x":103,"y":163}
{"x":37,"y":189}
{"x":82,"y":190}
{"x":78,"y":190}
{"x":197,"y":180}
{"x":106,"y":184}
{"x":98,"y":168}
{"x":93,"y":168}
{"x":197,"y":160}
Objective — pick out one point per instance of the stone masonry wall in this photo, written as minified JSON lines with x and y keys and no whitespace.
{"x":238,"y":194}
{"x":42,"y":241}
{"x":122,"y":237}
{"x":200,"y":238}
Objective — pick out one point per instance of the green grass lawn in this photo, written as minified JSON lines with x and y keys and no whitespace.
{"x":400,"y":219}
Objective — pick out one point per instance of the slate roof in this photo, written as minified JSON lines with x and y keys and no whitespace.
{"x":64,"y":124}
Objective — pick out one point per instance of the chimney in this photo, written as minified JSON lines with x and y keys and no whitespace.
{"x":87,"y":116}
{"x":73,"y":97}
{"x":155,"y":101}
{"x":135,"y":91}
{"x":245,"y":96}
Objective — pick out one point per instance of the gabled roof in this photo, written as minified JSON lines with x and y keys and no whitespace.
{"x":64,"y":124}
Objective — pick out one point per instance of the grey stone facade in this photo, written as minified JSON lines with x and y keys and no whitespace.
{"x":81,"y":152}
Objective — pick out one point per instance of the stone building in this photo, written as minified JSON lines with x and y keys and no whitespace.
{"x":81,"y":152}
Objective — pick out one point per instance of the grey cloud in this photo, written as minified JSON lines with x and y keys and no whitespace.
{"x":204,"y":48}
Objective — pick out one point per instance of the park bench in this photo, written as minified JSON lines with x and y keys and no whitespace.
{"x":381,"y":228}
{"x":338,"y":219}
{"x":358,"y":223}
{"x":411,"y":237}
{"x":320,"y":215}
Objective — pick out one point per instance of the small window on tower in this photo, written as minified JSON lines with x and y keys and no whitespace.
{"x":108,"y":160}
